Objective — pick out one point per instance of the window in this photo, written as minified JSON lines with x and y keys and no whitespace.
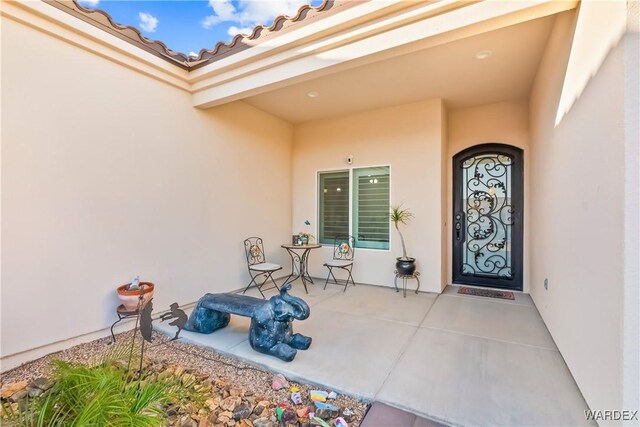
{"x":355,"y":202}
{"x":334,"y":205}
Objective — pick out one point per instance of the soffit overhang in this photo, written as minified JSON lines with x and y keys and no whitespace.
{"x":361,"y":33}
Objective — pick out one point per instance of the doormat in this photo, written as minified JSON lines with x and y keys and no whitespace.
{"x":486,"y":293}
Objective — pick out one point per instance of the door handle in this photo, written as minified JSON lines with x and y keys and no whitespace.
{"x":459,"y":226}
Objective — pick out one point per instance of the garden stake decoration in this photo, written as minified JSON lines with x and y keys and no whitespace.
{"x":145,"y":330}
{"x":179,"y":316}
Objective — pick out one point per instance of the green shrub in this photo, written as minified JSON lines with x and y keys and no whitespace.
{"x":103,"y":395}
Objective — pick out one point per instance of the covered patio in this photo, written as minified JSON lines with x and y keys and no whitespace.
{"x":122,"y":158}
{"x":448,"y":357}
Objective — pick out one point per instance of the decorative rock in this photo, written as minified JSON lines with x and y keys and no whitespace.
{"x":223,"y":419}
{"x":242,"y":411}
{"x":9,"y":390}
{"x":326,"y":411}
{"x":235,"y":392}
{"x":289,"y":416}
{"x":33,"y":391}
{"x":42,"y":383}
{"x":186,"y":421}
{"x":258,"y":409}
{"x":318,"y":395}
{"x":19,"y":395}
{"x":296,"y":398}
{"x":340,"y":422}
{"x":211,"y":404}
{"x":303,"y":412}
{"x":263,"y":422}
{"x":348,"y":414}
{"x":278,"y":382}
{"x":230,"y":403}
{"x":205,"y":422}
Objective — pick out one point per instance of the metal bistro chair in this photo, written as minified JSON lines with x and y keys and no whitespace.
{"x":258,"y":265}
{"x":343,"y":248}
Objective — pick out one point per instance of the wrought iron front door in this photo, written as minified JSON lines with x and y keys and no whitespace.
{"x":487,"y":216}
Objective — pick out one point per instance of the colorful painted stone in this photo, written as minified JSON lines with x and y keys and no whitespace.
{"x":296,"y":398}
{"x":279,"y":381}
{"x":318,"y":395}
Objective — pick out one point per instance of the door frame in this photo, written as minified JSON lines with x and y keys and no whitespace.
{"x":517,"y":232}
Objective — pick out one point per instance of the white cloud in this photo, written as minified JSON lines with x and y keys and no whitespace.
{"x":249,"y":13}
{"x":263,"y":12}
{"x":92,"y":3}
{"x":210,"y":21}
{"x":148,"y":22}
{"x":233,"y":30}
{"x":224,"y":9}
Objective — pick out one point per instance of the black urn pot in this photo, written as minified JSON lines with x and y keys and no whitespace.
{"x":405,"y":266}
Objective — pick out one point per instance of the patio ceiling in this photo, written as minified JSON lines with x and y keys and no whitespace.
{"x":449,"y":71}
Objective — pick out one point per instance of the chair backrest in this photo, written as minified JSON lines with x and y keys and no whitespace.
{"x":343,"y":247}
{"x":254,"y":250}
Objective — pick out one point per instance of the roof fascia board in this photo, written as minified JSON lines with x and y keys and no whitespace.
{"x":65,"y":27}
{"x":352,"y":34}
{"x":430,"y":25}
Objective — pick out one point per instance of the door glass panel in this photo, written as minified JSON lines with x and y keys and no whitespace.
{"x":489,"y":216}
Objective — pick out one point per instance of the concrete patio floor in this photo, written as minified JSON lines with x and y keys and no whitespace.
{"x":453,"y":358}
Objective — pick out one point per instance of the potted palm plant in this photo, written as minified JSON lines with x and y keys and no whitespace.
{"x":404,"y":265}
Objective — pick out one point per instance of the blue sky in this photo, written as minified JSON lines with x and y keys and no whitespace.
{"x":190,"y":25}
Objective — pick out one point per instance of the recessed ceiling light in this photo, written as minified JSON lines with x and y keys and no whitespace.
{"x":313,"y":94}
{"x":483,"y":54}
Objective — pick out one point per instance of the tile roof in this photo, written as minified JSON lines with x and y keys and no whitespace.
{"x":240,"y":42}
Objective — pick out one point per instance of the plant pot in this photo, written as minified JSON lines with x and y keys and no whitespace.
{"x":405,"y":266}
{"x":130,"y":298}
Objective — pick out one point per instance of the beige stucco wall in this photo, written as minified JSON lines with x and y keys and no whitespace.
{"x":579,"y":178}
{"x":504,"y":122}
{"x":108,"y":174}
{"x":408,"y":138}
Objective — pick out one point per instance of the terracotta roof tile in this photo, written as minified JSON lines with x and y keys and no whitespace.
{"x":240,"y":42}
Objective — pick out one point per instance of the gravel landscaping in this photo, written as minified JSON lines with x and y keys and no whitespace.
{"x":237,"y":394}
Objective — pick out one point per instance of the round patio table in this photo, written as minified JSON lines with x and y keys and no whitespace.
{"x":300,"y":261}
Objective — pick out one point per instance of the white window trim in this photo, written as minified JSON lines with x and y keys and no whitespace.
{"x":350,"y":170}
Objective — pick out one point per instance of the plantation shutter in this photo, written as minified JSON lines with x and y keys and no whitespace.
{"x":333,"y":205}
{"x":371,"y":207}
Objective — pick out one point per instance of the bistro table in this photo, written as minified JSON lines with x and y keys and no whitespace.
{"x":300,"y":261}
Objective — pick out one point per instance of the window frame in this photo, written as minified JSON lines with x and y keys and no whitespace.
{"x":350,"y":169}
